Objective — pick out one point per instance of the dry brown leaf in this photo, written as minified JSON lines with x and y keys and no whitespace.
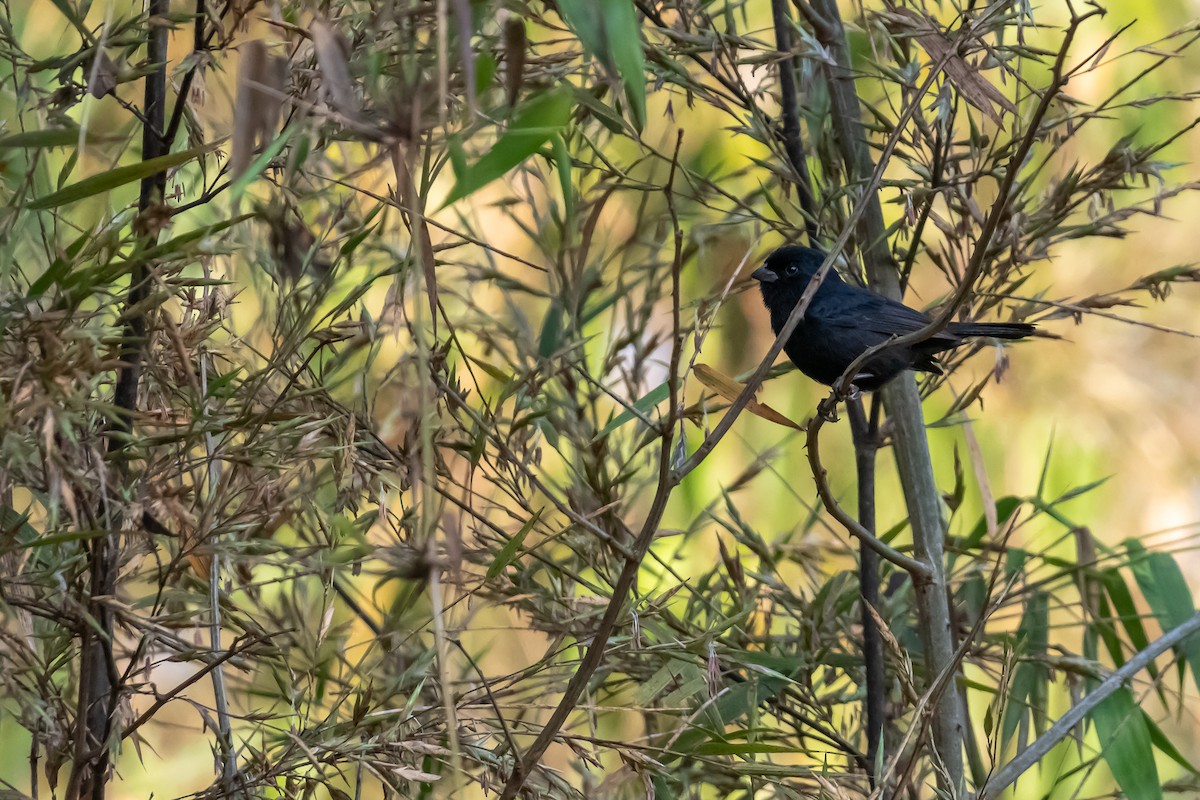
{"x":103,"y":77}
{"x":730,"y":389}
{"x":905,"y":673}
{"x":335,"y":69}
{"x":975,"y":89}
{"x":514,"y":57}
{"x":975,"y":452}
{"x":261,"y":78}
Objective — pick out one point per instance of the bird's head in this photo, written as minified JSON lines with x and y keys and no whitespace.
{"x":786,"y":273}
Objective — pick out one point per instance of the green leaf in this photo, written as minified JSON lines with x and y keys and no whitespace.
{"x":52,"y":137}
{"x":61,"y":266}
{"x":1014,"y":561}
{"x":562,"y":161}
{"x":1031,"y":679}
{"x":485,"y":72}
{"x":491,"y":369}
{"x":1125,"y":745}
{"x":1166,"y":590}
{"x":16,"y":525}
{"x":120,"y":176}
{"x":551,"y":331}
{"x":1104,"y":626}
{"x":586,"y":19}
{"x":260,"y":163}
{"x":1166,"y":746}
{"x":739,"y":701}
{"x":180,"y":243}
{"x":625,"y":45}
{"x":512,"y":546}
{"x":1127,"y":612}
{"x":75,"y":19}
{"x":743,"y":748}
{"x":649,"y":690}
{"x":643,"y":406}
{"x":1005,"y":507}
{"x":609,"y":30}
{"x":602,"y":113}
{"x":534,"y":125}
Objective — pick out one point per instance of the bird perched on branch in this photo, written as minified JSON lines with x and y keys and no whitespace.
{"x":844,"y":321}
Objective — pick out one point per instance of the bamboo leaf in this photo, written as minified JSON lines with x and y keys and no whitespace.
{"x":643,"y":406}
{"x":625,"y":46}
{"x":1166,"y":746}
{"x":609,"y":31}
{"x":562,"y":161}
{"x":53,"y":137}
{"x":730,"y":389}
{"x":1125,"y":745}
{"x":543,"y":117}
{"x":255,"y":167}
{"x":551,"y":331}
{"x":1167,"y":592}
{"x":106,"y":181}
{"x":512,"y":546}
{"x":1031,"y":680}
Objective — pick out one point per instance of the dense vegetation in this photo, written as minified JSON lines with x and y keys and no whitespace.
{"x":382,"y":412}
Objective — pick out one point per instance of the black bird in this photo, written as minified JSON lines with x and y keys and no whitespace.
{"x":843,"y":321}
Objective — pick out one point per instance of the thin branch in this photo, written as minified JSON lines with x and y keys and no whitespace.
{"x":595,"y":652}
{"x":200,"y":42}
{"x":213,"y":472}
{"x":236,"y":648}
{"x":920,"y":571}
{"x":866,"y":444}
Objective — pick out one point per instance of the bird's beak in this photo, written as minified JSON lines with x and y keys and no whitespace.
{"x":764,"y":275}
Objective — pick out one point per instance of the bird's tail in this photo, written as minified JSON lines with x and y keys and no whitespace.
{"x":998,"y":330}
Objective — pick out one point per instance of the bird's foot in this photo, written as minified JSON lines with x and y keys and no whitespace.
{"x":827,"y":409}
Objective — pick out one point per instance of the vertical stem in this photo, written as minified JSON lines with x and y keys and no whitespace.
{"x":789,"y":100}
{"x":933,"y":608}
{"x":221,"y":702}
{"x":904,"y":408}
{"x":99,"y":683}
{"x":865,"y":446}
{"x":220,"y":696}
{"x":153,"y":187}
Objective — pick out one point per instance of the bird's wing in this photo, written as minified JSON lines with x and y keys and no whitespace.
{"x":866,"y":311}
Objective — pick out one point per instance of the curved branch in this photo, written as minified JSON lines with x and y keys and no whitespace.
{"x":920,"y":571}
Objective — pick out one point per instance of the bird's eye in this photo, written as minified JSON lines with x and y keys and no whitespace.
{"x":791,"y":270}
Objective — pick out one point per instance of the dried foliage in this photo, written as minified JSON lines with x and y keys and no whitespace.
{"x":427,"y":430}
